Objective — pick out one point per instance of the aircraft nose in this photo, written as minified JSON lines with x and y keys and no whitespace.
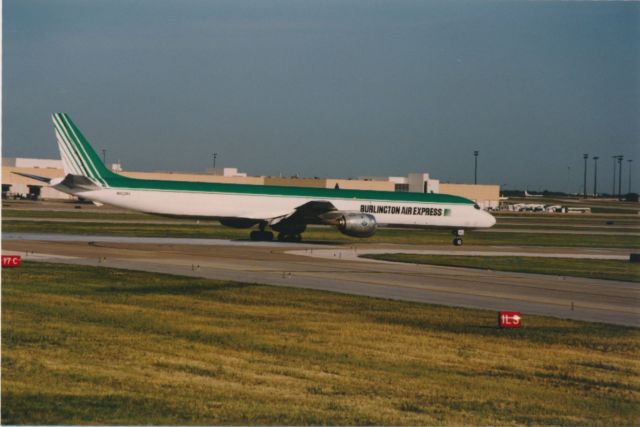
{"x":491,"y":220}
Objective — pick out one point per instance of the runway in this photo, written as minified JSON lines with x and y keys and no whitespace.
{"x":337,"y":268}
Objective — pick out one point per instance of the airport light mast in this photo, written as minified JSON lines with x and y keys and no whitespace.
{"x":585,"y":157}
{"x":475,"y":174}
{"x":215,"y":155}
{"x":595,"y":176}
{"x":104,"y":156}
{"x":613,"y":192}
{"x":620,"y":157}
{"x":629,"y":188}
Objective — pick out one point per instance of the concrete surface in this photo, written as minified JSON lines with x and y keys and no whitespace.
{"x":337,"y":269}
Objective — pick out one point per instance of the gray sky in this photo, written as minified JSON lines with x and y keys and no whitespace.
{"x":331,"y":88}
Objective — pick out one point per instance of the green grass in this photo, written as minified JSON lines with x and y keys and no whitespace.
{"x":89,"y":345}
{"x":562,"y":227}
{"x":79,"y":214}
{"x":527,"y":216}
{"x":592,"y":268}
{"x":604,"y":210}
{"x":327,"y":234}
{"x":546,"y":223}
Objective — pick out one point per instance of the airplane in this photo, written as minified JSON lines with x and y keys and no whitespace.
{"x":527,"y":194}
{"x":285,"y":210}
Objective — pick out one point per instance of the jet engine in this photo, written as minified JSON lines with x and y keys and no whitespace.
{"x":357,"y":225}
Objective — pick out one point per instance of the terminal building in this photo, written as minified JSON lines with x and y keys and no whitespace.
{"x":16,"y":186}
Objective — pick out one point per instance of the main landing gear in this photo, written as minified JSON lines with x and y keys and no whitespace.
{"x":289,"y":237}
{"x":457,"y":240}
{"x":258,"y":236}
{"x":285,"y":234}
{"x":261,"y":235}
{"x":289,"y":231}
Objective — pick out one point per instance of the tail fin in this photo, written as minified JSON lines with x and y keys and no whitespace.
{"x":78,"y":157}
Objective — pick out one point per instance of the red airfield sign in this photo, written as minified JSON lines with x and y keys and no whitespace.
{"x":509,"y":319}
{"x":11,"y":261}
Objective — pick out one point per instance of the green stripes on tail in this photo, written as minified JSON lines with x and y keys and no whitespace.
{"x":78,"y":157}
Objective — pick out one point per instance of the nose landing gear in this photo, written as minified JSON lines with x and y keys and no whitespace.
{"x":457,"y":240}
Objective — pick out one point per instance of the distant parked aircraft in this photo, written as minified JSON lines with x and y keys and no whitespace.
{"x":286,"y":210}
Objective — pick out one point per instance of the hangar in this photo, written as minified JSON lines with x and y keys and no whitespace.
{"x":15,"y":186}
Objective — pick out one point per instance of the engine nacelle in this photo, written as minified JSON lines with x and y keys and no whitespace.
{"x":357,"y":225}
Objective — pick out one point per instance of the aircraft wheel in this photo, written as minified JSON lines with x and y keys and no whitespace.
{"x":258,"y":236}
{"x":457,"y":241}
{"x":282,"y":237}
{"x":296,"y":238}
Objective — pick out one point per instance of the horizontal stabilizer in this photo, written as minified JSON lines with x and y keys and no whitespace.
{"x":78,"y":182}
{"x":36,"y":177}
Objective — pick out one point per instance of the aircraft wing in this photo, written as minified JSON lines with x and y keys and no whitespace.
{"x":314,"y":212}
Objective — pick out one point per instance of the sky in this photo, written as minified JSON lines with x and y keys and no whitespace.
{"x":331,"y":88}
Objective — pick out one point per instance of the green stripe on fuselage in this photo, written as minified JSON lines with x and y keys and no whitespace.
{"x":122,"y":182}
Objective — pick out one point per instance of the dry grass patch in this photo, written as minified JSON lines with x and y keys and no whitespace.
{"x":95,"y":345}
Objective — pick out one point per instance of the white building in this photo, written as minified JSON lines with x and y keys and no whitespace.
{"x":19,"y":186}
{"x":226,"y":172}
{"x":23,"y":162}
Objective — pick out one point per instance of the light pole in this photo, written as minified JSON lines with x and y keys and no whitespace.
{"x":595,"y":176}
{"x":620,"y":157}
{"x":104,"y":156}
{"x":475,"y":175}
{"x":629,"y":188}
{"x":613,"y":192}
{"x":568,"y":178}
{"x":215,"y":155}
{"x":584,"y":185}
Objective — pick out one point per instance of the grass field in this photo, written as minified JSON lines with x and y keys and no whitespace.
{"x":620,"y":225}
{"x":592,"y":268}
{"x":328,"y":234}
{"x":88,"y":345}
{"x":78,"y":214}
{"x":92,"y":212}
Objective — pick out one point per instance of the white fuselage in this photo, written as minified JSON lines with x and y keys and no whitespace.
{"x":266,"y":207}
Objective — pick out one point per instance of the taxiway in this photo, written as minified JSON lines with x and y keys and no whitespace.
{"x":338,"y":269}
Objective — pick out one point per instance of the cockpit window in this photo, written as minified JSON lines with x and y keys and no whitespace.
{"x":476,"y":206}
